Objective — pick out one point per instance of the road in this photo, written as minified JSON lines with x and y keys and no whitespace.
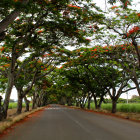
{"x":60,"y":123}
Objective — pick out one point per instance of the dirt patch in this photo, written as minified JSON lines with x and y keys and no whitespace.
{"x":12,"y":112}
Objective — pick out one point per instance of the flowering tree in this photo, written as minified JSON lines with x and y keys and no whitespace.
{"x":123,"y":31}
{"x":99,"y":70}
{"x":126,"y":24}
{"x":41,"y":25}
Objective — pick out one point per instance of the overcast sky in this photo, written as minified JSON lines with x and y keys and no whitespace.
{"x":101,"y":3}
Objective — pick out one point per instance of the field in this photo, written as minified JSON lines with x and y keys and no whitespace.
{"x":121,"y":107}
{"x":14,"y":105}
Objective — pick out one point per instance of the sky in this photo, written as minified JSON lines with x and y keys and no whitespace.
{"x":101,"y":4}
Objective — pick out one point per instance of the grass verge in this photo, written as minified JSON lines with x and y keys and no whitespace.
{"x":121,"y":107}
{"x":123,"y":115}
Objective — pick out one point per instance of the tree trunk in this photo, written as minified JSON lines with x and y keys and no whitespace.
{"x":8,"y":93}
{"x":43,"y":98}
{"x":63,"y":101}
{"x":10,"y":84}
{"x":1,"y":109}
{"x":38,"y":101}
{"x":89,"y":100}
{"x":77,"y":103}
{"x":20,"y":99}
{"x":19,"y":106}
{"x":137,"y":49}
{"x":82,"y":105}
{"x":9,"y":19}
{"x":34,"y":101}
{"x":137,"y":85}
{"x":0,"y":101}
{"x":95,"y":102}
{"x":100,"y":102}
{"x":114,"y":106}
{"x":27,"y":104}
{"x":69,"y":102}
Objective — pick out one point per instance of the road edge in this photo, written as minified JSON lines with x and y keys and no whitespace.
{"x":103,"y":113}
{"x":12,"y":121}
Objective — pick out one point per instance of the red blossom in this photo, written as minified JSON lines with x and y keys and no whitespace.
{"x":126,"y":3}
{"x":90,"y":27}
{"x":138,"y":14}
{"x":113,"y":7}
{"x":70,"y":5}
{"x":40,"y":31}
{"x":2,"y":48}
{"x":134,"y":29}
{"x":92,"y":56}
{"x":44,"y":55}
{"x":6,"y":65}
{"x":94,"y":50}
{"x":127,"y":34}
{"x":88,"y":39}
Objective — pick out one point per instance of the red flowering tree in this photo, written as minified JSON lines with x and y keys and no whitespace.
{"x":99,"y":70}
{"x":126,"y":25}
{"x":51,"y":27}
{"x":122,"y":30}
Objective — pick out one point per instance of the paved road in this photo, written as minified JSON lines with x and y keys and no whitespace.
{"x":59,"y":123}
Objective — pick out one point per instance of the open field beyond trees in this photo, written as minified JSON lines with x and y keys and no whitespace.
{"x":121,"y":107}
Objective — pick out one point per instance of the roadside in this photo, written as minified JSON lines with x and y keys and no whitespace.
{"x":13,"y":117}
{"x":123,"y":115}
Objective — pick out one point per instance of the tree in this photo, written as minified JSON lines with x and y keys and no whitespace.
{"x":8,"y":19}
{"x":43,"y":33}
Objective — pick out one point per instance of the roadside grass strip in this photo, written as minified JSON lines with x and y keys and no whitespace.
{"x":128,"y":108}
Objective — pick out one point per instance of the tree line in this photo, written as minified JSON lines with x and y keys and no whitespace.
{"x":34,"y":35}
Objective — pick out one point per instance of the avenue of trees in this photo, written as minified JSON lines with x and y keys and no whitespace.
{"x":34,"y":36}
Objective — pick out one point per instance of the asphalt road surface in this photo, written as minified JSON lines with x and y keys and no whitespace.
{"x":60,"y":123}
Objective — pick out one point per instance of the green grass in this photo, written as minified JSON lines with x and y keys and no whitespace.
{"x":14,"y":105}
{"x":133,"y":107}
